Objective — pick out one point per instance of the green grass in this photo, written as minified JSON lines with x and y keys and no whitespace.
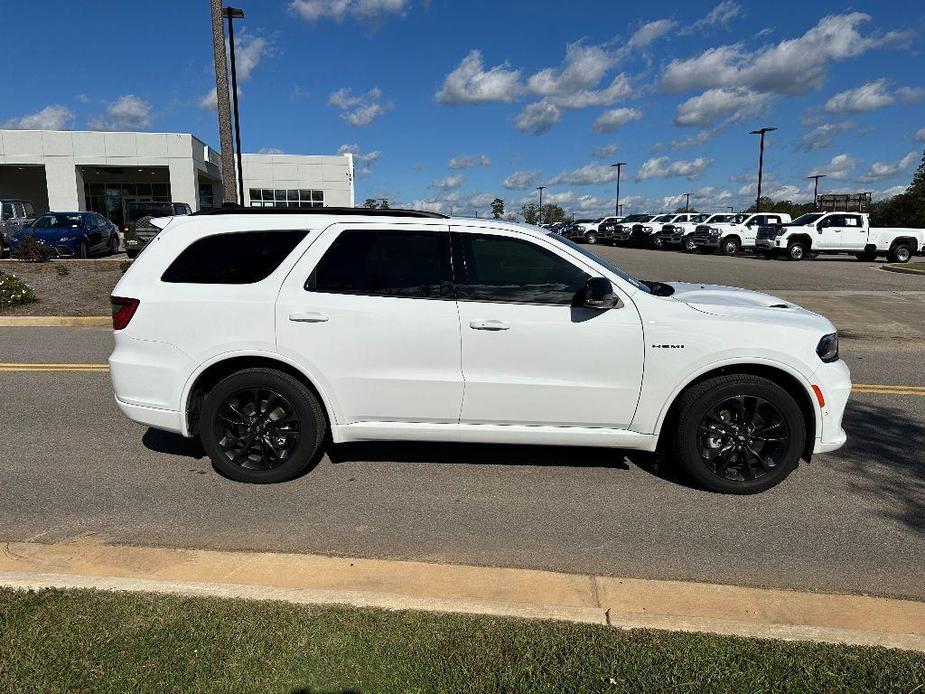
{"x":91,"y":641}
{"x":910,"y":268}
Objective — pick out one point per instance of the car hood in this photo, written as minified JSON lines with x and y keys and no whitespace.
{"x":715,"y":298}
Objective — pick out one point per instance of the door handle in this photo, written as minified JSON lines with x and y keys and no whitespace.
{"x":489,"y":325}
{"x":310,"y":317}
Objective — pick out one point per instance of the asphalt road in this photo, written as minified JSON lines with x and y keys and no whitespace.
{"x":851,"y":521}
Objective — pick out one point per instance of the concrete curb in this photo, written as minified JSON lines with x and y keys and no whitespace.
{"x":902,"y":270}
{"x":55,"y":321}
{"x":525,"y":593}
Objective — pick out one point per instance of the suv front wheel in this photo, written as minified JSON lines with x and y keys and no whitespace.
{"x":739,"y":434}
{"x":261,"y":425}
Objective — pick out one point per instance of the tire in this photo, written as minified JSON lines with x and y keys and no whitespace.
{"x":279,"y":442}
{"x":688,"y":245}
{"x":714,"y":434}
{"x":731,"y":247}
{"x":657,"y":243}
{"x":113,"y":244}
{"x":796,"y":251}
{"x":900,"y":253}
{"x":83,"y":253}
{"x":591,"y":238}
{"x":866,"y":256}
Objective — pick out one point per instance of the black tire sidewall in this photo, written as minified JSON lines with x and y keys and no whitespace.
{"x":84,"y":252}
{"x":306,"y":405}
{"x":901,"y":249}
{"x":708,"y":395}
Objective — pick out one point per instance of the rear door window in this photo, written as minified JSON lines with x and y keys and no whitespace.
{"x":238,"y":258}
{"x":413,"y":264}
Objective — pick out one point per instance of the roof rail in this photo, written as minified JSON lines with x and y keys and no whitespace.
{"x":356,"y":211}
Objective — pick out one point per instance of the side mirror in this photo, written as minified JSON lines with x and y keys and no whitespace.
{"x":820,"y":226}
{"x":598,"y":293}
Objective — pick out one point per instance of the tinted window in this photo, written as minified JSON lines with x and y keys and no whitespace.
{"x":59,"y":221}
{"x":7,"y":210}
{"x":503,"y":269}
{"x":410,"y":264}
{"x":242,"y":258}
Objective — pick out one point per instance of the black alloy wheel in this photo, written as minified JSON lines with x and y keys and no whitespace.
{"x":261,"y":425}
{"x":739,"y":434}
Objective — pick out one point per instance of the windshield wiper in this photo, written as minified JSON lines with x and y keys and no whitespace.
{"x":659,"y":288}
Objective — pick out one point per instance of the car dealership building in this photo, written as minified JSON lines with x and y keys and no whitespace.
{"x":66,"y":171}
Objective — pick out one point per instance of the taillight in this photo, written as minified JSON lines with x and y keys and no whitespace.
{"x":122,"y":311}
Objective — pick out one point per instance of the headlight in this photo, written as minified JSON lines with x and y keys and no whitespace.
{"x":648,"y":230}
{"x":827,"y":349}
{"x":67,"y":238}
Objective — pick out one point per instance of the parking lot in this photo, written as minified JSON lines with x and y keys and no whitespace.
{"x":851,"y":521}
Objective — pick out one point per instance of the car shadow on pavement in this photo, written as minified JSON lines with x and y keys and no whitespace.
{"x":172,"y":444}
{"x":885,"y":460}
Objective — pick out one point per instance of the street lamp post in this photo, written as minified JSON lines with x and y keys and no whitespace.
{"x":731,"y":208}
{"x":816,"y":178}
{"x":687,"y":204}
{"x":222,"y":106}
{"x":619,"y":166}
{"x":761,"y":132}
{"x":232,"y":13}
{"x":539,"y":212}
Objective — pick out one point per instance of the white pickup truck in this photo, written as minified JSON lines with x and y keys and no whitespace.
{"x":838,"y":232}
{"x":740,"y":232}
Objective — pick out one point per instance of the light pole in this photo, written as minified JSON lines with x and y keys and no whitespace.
{"x":222,"y":105}
{"x":816,"y":178}
{"x":539,"y":213}
{"x":232,"y":13}
{"x":761,"y":132}
{"x":687,"y":205}
{"x":619,"y":166}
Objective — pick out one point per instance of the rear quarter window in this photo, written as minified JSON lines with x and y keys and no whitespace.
{"x":235,"y":258}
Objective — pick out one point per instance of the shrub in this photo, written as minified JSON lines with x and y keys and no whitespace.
{"x":125,"y":265}
{"x":13,"y":291}
{"x":62,"y":270}
{"x":31,"y":251}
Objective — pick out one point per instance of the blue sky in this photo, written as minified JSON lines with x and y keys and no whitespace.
{"x":449,"y":104}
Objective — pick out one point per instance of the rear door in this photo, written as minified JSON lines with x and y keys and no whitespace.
{"x":369,"y":311}
{"x":528,"y":356}
{"x":853,"y":232}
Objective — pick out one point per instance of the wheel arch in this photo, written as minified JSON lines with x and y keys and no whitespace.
{"x":801,"y":238}
{"x":789,"y":380}
{"x":911,"y":241}
{"x":209,"y":374}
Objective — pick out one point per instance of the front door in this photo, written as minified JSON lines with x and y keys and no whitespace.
{"x":369,"y":312}
{"x":829,"y":232}
{"x":528,"y":356}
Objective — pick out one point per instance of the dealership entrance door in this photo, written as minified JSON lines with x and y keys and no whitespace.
{"x":109,"y":189}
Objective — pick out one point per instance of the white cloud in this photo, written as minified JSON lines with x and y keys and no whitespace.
{"x":839,"y":167}
{"x":521,"y":180}
{"x":128,"y":112}
{"x":362,"y":163}
{"x":583,"y":68}
{"x":822,"y":135}
{"x":604,"y":152}
{"x":720,"y":15}
{"x":469,"y":162}
{"x":609,"y":121}
{"x":662,"y":167}
{"x":338,"y":10}
{"x":881,"y":170}
{"x":649,"y":32}
{"x":734,"y":103}
{"x":448,"y":182}
{"x":920,"y":135}
{"x":538,"y":118}
{"x":250,"y":50}
{"x":890,"y":192}
{"x":589,"y":174}
{"x":871,"y":96}
{"x":270,"y":150}
{"x":361,"y":109}
{"x":792,"y":66}
{"x":471,"y":83}
{"x":54,"y":117}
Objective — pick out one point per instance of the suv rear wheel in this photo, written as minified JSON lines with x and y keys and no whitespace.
{"x":900,"y":253}
{"x":739,"y":434}
{"x":261,"y":426}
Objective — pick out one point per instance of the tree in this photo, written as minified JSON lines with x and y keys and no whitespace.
{"x":906,"y":209}
{"x":551,"y":213}
{"x":497,"y":208}
{"x":530,"y":211}
{"x":376,"y":204}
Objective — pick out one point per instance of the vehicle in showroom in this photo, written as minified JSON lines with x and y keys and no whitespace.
{"x":666,"y":221}
{"x":737,"y":234}
{"x":679,"y":233}
{"x":630,"y":226}
{"x":14,"y":215}
{"x":138,"y":229}
{"x":839,"y":232}
{"x":70,"y":235}
{"x":266,"y":332}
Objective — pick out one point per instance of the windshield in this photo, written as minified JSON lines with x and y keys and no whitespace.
{"x":58,"y":221}
{"x":148,"y":209}
{"x":721,"y":218}
{"x":638,"y":218}
{"x":739,"y":218}
{"x":620,"y":272}
{"x":664,"y":218}
{"x":805,"y":219}
{"x":700,"y":218}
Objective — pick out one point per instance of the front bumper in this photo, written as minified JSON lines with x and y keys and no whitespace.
{"x":834,"y":381}
{"x":706,"y":241}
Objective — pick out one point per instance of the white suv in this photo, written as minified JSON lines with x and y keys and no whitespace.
{"x":265,"y":331}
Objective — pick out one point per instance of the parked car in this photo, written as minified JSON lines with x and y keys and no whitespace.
{"x":654,"y":229}
{"x":586,"y":231}
{"x":138,"y":229}
{"x":740,"y":232}
{"x":14,"y":214}
{"x":839,"y":232}
{"x":678,"y":232}
{"x":266,"y":332}
{"x":623,"y":232}
{"x":70,"y":234}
